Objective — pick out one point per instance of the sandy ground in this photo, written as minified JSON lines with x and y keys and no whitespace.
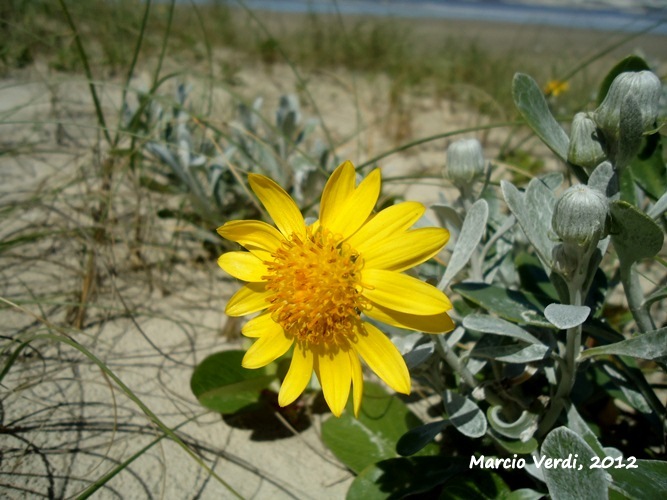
{"x":156,"y":307}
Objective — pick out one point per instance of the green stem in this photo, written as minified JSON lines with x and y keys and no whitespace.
{"x":568,"y":367}
{"x":635,"y":296}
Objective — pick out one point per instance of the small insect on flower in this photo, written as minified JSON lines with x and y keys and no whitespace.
{"x":556,"y":87}
{"x":314,"y":285}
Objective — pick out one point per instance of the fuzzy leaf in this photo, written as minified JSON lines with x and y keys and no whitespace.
{"x":530,"y":101}
{"x":635,"y":235}
{"x":512,"y":353}
{"x":522,"y":428}
{"x":489,"y":324}
{"x":566,"y":316}
{"x":471,"y":234}
{"x":515,"y":306}
{"x":579,"y":482}
{"x":464,"y":414}
{"x":534,"y":210}
{"x":648,"y":480}
{"x":649,"y":345}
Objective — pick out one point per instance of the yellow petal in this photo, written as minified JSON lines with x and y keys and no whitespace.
{"x":243,"y":265}
{"x":250,"y":298}
{"x":298,"y":375}
{"x":383,"y":358}
{"x":335,"y":376}
{"x":346,"y":218}
{"x":434,"y":323}
{"x":402,"y":251}
{"x":267,"y":348}
{"x":357,"y":381}
{"x":386,"y":223}
{"x":259,"y":326}
{"x":338,"y":189}
{"x":279,"y":204}
{"x":253,"y":235}
{"x":403,"y":293}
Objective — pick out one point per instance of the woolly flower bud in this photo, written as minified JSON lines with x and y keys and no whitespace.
{"x":581,"y":216}
{"x":465,"y":161}
{"x":644,"y":86}
{"x":585,"y":148}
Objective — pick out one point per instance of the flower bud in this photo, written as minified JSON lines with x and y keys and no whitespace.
{"x":581,"y":216}
{"x":585,"y":147}
{"x":465,"y":162}
{"x":644,"y":86}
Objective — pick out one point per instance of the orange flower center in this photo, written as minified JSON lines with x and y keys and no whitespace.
{"x":316,"y":285}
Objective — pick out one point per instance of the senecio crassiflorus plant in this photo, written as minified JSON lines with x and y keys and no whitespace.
{"x":545,"y":372}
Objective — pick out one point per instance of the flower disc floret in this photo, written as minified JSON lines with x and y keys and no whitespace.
{"x":317,"y":288}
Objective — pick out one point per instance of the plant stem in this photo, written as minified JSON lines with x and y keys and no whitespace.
{"x":635,"y":296}
{"x":568,"y":365}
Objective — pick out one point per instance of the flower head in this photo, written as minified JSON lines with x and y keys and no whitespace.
{"x":465,"y":162}
{"x":314,"y":285}
{"x":556,"y":87}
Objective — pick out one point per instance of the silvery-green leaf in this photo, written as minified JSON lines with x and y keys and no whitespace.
{"x":464,"y":414}
{"x":635,"y":235}
{"x":524,"y":494}
{"x":580,"y":482}
{"x":610,"y":451}
{"x":577,"y":424}
{"x":512,"y":353}
{"x":471,"y":234}
{"x":522,"y":428}
{"x":452,"y":338}
{"x":631,"y":129}
{"x":659,"y":208}
{"x":566,"y":316}
{"x":418,"y":355}
{"x":533,"y":210}
{"x":488,"y":324}
{"x":605,"y":180}
{"x":628,"y":388}
{"x":649,"y":345}
{"x":513,"y":305}
{"x":448,"y":217}
{"x":648,"y":480}
{"x":532,"y":105}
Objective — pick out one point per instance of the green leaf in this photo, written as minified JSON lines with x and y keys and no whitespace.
{"x":221,"y":384}
{"x":533,"y":278}
{"x":524,"y":494}
{"x":648,"y":480}
{"x":635,"y":235}
{"x":577,"y":482}
{"x":417,"y":438}
{"x":400,"y":477}
{"x":578,"y":425}
{"x":372,"y":437}
{"x":566,"y":316}
{"x":649,"y":345}
{"x":464,"y":414}
{"x":514,"y":445}
{"x":512,"y":353}
{"x":630,"y":63}
{"x":474,"y":227}
{"x":534,"y":210}
{"x":512,"y":305}
{"x":648,"y":167}
{"x":530,"y":101}
{"x":477,"y":485}
{"x":489,"y":324}
{"x":522,"y":428}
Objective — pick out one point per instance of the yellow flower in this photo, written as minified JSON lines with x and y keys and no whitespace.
{"x":312,"y":283}
{"x":556,"y":87}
